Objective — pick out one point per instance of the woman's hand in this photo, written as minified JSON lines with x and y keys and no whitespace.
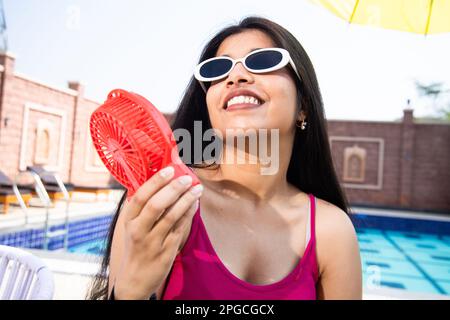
{"x":154,"y":221}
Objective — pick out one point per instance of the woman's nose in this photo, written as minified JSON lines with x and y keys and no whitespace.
{"x":239,"y":75}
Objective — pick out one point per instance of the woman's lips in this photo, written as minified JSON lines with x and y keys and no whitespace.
{"x":242,"y":106}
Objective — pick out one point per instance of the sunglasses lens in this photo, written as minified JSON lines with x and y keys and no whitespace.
{"x":263,"y":60}
{"x":215,"y":68}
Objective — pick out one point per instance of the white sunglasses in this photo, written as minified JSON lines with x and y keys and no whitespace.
{"x":258,"y":61}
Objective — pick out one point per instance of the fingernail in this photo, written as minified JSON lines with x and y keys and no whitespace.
{"x":197,"y":190}
{"x":197,"y":204}
{"x":185,"y":180}
{"x":166,"y":172}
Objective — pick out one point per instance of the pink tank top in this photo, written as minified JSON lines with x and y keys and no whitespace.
{"x":198,"y":273}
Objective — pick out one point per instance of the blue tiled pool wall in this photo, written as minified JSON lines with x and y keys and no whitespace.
{"x":400,"y":224}
{"x":80,"y":231}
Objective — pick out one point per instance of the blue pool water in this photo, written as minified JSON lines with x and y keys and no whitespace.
{"x":96,"y":247}
{"x":412,"y":261}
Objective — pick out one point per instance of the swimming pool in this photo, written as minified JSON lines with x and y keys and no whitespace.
{"x":96,"y":247}
{"x":412,"y":261}
{"x":401,"y":259}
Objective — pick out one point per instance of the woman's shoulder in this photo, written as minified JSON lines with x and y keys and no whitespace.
{"x":335,"y":232}
{"x":329,"y":215}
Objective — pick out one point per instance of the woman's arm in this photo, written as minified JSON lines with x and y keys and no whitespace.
{"x":340,"y":275}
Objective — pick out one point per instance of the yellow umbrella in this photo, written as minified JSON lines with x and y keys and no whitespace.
{"x":418,"y":16}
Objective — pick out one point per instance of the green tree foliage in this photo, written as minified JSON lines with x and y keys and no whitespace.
{"x":437,"y":96}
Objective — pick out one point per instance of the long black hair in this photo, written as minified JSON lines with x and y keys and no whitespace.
{"x":311,"y":167}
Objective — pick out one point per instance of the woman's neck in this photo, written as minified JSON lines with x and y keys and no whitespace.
{"x":256,"y":181}
{"x":248,"y":177}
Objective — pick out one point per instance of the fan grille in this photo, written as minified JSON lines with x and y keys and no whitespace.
{"x":129,"y":142}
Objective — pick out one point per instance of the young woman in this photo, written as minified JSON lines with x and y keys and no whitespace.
{"x":242,"y":234}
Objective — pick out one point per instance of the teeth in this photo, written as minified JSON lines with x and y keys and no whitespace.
{"x":243,"y":99}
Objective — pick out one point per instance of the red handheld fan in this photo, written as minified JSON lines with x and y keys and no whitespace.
{"x":134,"y":140}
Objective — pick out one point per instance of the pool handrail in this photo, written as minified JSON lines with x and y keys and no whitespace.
{"x":39,"y":188}
{"x":66,"y":197}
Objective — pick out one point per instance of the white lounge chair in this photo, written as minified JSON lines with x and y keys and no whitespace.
{"x":23,"y":276}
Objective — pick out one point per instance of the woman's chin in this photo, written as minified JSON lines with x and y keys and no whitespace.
{"x":244,"y":127}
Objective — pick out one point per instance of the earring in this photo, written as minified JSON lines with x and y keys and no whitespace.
{"x":302,"y":126}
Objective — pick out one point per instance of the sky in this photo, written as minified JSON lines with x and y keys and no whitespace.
{"x":152,"y":47}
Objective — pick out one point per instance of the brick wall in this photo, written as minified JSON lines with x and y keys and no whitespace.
{"x":24,"y":103}
{"x":19,"y":93}
{"x":415,"y":163}
{"x":431,"y":171}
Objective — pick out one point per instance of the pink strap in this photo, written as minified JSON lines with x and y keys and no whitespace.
{"x":313,"y":215}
